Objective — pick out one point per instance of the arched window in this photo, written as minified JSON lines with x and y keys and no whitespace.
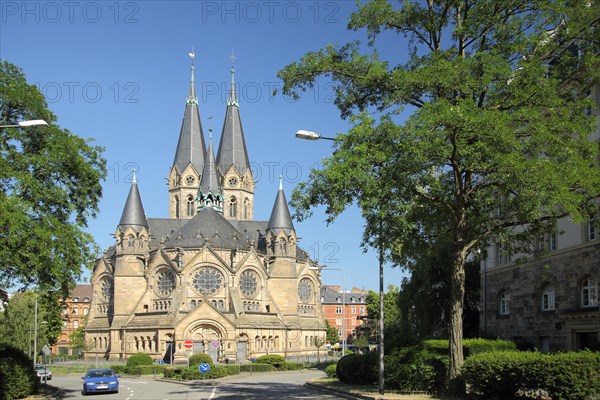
{"x":548,"y":298}
{"x":589,"y":292}
{"x":193,"y":303}
{"x":233,"y":207}
{"x":176,"y":206}
{"x":75,"y":311}
{"x":504,"y":304}
{"x":246,"y":206}
{"x":190,"y":205}
{"x":130,"y":241}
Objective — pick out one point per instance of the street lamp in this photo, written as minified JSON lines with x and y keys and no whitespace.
{"x":308,"y":135}
{"x":343,"y":302}
{"x":25,"y":124}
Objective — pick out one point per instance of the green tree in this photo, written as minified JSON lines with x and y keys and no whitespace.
{"x":18,"y":323}
{"x":423,"y":296}
{"x":49,"y":187}
{"x":332,"y":333}
{"x":479,"y":130}
{"x":393,"y":332}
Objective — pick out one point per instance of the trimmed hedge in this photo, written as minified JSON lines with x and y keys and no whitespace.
{"x":218,"y":371}
{"x":502,"y":375}
{"x":17,"y":377}
{"x":255,"y":367}
{"x":139,"y":359}
{"x":358,"y":369}
{"x":470,"y":346}
{"x":274,"y":359}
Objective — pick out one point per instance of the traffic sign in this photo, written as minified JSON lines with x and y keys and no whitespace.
{"x":188,"y":344}
{"x":215,"y":344}
{"x":204,"y":368}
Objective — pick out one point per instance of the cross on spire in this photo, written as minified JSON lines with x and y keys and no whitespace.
{"x":232,"y":99}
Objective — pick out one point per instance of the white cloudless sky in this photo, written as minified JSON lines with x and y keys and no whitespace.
{"x":119,"y":72}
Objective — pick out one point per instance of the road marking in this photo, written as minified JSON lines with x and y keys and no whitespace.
{"x":213,"y":392}
{"x":133,"y":381}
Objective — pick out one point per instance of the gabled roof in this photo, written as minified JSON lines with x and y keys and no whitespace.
{"x":232,"y":147}
{"x":280,"y":215}
{"x":191,"y":146}
{"x":133,"y":212}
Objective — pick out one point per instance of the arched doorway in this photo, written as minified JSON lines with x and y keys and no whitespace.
{"x":207,"y":338}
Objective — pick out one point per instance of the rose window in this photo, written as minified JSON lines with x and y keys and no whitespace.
{"x":207,"y":281}
{"x":305,"y":290}
{"x":106,"y":289}
{"x":248,"y":283}
{"x":165,"y":283}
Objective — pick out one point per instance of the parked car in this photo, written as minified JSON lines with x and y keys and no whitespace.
{"x":101,"y":380}
{"x":42,"y":372}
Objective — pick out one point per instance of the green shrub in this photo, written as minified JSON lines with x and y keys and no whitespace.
{"x":145,"y":369}
{"x":470,"y":346}
{"x":330,"y":371}
{"x":416,"y":368}
{"x":139,"y":359}
{"x":201,"y":358}
{"x":254,"y":367}
{"x":358,"y":369}
{"x":503,"y":374}
{"x":119,"y":369}
{"x":291,"y":366}
{"x":274,"y":359}
{"x":17,"y":378}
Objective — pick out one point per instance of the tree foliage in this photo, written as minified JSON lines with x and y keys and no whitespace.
{"x":332,"y":333}
{"x":49,"y":188}
{"x":480,"y":129}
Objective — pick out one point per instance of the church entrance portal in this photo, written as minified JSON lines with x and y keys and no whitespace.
{"x":207,"y":339}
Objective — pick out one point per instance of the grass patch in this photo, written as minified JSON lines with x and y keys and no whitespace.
{"x":333,"y":383}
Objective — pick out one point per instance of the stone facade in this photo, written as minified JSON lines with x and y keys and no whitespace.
{"x":234,"y":287}
{"x":550,"y":303}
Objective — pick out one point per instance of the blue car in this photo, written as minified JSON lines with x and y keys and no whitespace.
{"x":102,"y":380}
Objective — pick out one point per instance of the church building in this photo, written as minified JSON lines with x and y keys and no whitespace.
{"x":210,"y":278}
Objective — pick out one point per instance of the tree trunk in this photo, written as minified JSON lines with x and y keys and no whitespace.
{"x":457,"y":295}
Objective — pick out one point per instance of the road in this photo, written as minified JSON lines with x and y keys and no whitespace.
{"x":264,"y":386}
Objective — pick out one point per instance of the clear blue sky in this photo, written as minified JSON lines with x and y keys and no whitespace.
{"x":119,"y":71}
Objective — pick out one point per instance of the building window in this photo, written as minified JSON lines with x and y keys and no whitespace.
{"x":130,"y":241}
{"x":548,"y":298}
{"x":75,"y":311}
{"x":86,"y":311}
{"x":353,"y":310}
{"x":362,"y":311}
{"x":338,"y":310}
{"x":305,"y":290}
{"x":176,"y":207}
{"x":591,"y":229}
{"x":207,"y":280}
{"x":504,"y":304}
{"x":75,"y":299}
{"x":248,"y":283}
{"x":190,"y":205}
{"x":233,"y":207}
{"x":165,"y":283}
{"x":75,"y":324}
{"x":589,"y":293}
{"x":552,"y":245}
{"x":246,"y":208}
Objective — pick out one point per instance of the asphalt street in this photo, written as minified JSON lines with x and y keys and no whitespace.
{"x":264,"y":386}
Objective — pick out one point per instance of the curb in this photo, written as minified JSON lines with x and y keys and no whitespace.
{"x":338,"y":391}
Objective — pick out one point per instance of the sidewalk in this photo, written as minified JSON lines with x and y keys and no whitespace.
{"x":364,"y":393}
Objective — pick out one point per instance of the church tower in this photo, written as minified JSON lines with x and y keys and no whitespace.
{"x":280,"y":233}
{"x":233,"y":163}
{"x":185,"y":176}
{"x":132,"y":251}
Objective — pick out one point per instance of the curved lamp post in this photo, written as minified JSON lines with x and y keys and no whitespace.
{"x":26,"y":124}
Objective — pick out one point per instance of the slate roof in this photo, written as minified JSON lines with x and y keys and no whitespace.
{"x":280,"y":215}
{"x":330,"y":295}
{"x":133,"y":212}
{"x":232,"y":147}
{"x":190,"y":146}
{"x":210,"y":175}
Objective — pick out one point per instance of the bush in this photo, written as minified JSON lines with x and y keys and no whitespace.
{"x":119,"y":369}
{"x":358,"y":369}
{"x":470,"y":346}
{"x":201,"y":358}
{"x":291,"y":366}
{"x":416,"y":368}
{"x":17,"y":378}
{"x":274,"y":359}
{"x":139,"y":359}
{"x":330,"y":370}
{"x":503,"y":374}
{"x":145,"y":369}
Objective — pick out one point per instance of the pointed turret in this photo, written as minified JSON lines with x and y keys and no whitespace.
{"x":184,"y":179}
{"x":280,"y":216}
{"x":232,"y":147}
{"x":233,"y":162}
{"x":133,"y":212}
{"x":210,"y":193}
{"x":190,"y":147}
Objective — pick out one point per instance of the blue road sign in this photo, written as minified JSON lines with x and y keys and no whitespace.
{"x":204,"y":368}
